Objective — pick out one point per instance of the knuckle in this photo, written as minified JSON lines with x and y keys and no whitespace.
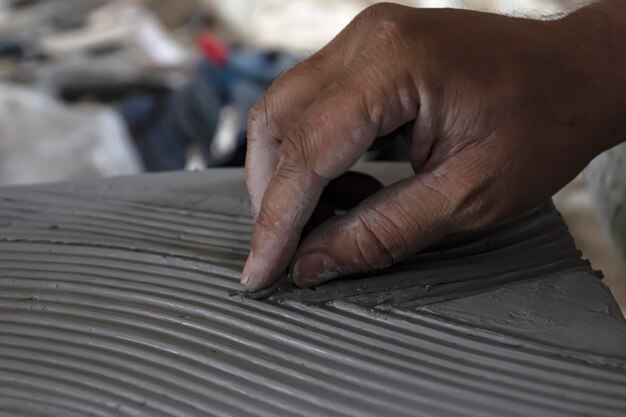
{"x":259,"y":118}
{"x":370,"y":104}
{"x":297,"y":157}
{"x":375,"y":11}
{"x":298,"y":150}
{"x":290,"y":148}
{"x":469,"y":203}
{"x":271,"y":217}
{"x":289,"y":168}
{"x":372,"y":247}
{"x":311,"y":69}
{"x":386,"y":37}
{"x":262,"y":220}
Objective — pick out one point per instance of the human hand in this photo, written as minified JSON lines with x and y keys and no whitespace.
{"x":499,"y":113}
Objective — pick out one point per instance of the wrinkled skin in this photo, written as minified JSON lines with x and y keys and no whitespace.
{"x":499,"y":113}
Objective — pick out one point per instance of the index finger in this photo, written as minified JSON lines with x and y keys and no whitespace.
{"x":331,"y":136}
{"x":286,"y":99}
{"x":293,"y":92}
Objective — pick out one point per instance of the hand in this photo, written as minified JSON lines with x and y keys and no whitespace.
{"x":499,"y":113}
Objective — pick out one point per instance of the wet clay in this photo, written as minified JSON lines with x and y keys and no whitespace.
{"x":115,"y":300}
{"x":533,"y":246}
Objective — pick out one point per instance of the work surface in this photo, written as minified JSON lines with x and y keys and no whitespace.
{"x":118,"y":297}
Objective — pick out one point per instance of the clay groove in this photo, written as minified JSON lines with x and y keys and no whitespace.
{"x":106,"y":310}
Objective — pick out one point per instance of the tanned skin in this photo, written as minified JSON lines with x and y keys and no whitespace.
{"x":500,"y":113}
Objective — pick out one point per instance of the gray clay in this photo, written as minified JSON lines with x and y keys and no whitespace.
{"x":115,"y":300}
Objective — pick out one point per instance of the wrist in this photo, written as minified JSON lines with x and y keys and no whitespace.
{"x":596,"y":43}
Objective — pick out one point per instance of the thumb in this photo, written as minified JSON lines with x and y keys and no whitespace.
{"x":391,"y":225}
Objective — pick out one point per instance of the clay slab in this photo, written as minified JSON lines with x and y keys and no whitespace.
{"x":114,"y":301}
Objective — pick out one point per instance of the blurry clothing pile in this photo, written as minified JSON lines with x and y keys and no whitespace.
{"x":206,"y":117}
{"x":64,"y":65}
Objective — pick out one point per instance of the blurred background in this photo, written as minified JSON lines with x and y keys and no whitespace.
{"x":92,"y":88}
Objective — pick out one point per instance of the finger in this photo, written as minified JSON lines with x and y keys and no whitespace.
{"x":292,"y":93}
{"x":334,"y":132}
{"x":393,"y":224}
{"x":332,"y":135}
{"x":287,"y":98}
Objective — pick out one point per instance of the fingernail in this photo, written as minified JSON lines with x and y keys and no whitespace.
{"x":314,"y":268}
{"x":245,"y":274}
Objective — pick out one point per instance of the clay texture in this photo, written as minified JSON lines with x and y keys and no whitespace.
{"x":115,"y":300}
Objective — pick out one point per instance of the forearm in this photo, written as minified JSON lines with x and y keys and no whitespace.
{"x":599,"y":33}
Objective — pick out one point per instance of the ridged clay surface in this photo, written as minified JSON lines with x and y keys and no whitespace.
{"x":116,"y":300}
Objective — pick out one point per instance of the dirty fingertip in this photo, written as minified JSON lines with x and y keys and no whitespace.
{"x":313,"y":269}
{"x":256,"y":275}
{"x":245,"y":274}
